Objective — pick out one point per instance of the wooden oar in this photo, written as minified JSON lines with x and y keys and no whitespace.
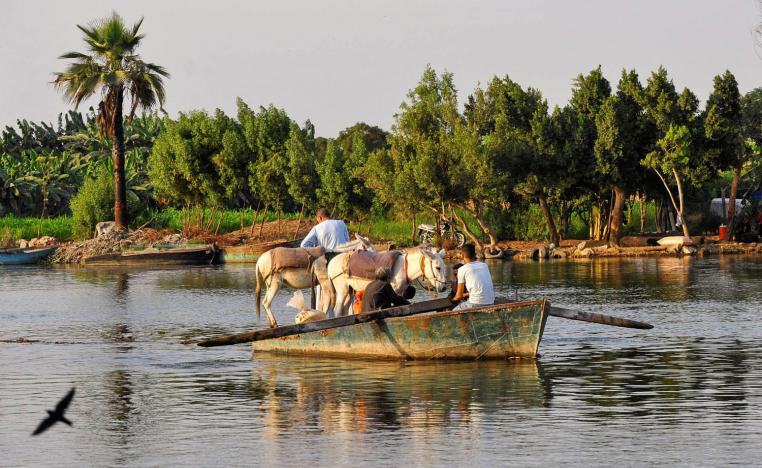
{"x":598,"y":318}
{"x":347,"y":320}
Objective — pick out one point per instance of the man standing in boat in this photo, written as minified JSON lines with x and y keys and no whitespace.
{"x":474,"y":281}
{"x":327,"y":233}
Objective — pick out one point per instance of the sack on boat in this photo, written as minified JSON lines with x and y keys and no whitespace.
{"x":286,"y":257}
{"x":363,"y":263}
{"x":305,"y":315}
{"x":675,"y":240}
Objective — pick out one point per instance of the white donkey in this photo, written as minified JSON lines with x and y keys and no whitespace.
{"x":413,"y":264}
{"x":297,"y":278}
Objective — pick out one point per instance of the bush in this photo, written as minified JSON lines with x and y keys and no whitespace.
{"x":92,"y":204}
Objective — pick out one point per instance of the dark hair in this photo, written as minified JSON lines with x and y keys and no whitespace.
{"x":383,"y":274}
{"x":409,"y":292}
{"x":323,"y":213}
{"x":468,"y":251}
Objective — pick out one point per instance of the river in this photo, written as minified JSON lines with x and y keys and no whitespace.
{"x":688,"y":392}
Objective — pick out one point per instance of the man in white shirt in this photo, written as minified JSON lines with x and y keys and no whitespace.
{"x":328,"y":233}
{"x":474,"y":282}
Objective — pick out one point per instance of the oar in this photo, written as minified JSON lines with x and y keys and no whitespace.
{"x":598,"y":318}
{"x":347,"y":320}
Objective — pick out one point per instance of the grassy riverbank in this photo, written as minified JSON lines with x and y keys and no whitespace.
{"x":399,"y":231}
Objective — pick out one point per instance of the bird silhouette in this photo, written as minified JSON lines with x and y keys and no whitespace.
{"x":56,"y":415}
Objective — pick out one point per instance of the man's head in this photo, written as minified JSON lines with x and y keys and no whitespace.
{"x":322,"y":215}
{"x":383,"y":274}
{"x":469,"y":253}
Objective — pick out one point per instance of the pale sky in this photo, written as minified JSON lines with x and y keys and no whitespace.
{"x":340,"y":62}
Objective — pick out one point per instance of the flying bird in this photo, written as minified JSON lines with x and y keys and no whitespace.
{"x":56,"y":415}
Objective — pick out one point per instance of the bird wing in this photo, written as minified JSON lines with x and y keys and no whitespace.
{"x":44,"y":426}
{"x":64,"y":403}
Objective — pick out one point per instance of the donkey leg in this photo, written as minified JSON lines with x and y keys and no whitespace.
{"x":276,"y":280}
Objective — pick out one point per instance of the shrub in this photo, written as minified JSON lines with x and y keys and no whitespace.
{"x":93,"y":203}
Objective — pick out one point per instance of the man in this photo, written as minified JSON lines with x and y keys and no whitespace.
{"x":327,"y":233}
{"x":380,"y":295}
{"x":474,"y":281}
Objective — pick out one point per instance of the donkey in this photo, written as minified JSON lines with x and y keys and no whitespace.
{"x":297,"y":278}
{"x":413,"y":264}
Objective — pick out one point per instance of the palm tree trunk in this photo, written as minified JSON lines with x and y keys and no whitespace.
{"x":732,"y":206}
{"x":642,"y":213}
{"x":117,"y":154}
{"x":615,"y":225}
{"x":554,"y":237}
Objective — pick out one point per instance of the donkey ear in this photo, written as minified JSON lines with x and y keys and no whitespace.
{"x":442,"y":253}
{"x":425,"y":251}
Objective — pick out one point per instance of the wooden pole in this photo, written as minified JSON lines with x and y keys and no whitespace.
{"x":262,"y":224}
{"x":254,"y":219}
{"x":598,"y":318}
{"x":345,"y":321}
{"x":299,"y":224}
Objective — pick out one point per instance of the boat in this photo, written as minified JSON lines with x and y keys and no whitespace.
{"x":25,"y":256}
{"x":510,"y":330}
{"x":199,"y":255}
{"x":250,"y":253}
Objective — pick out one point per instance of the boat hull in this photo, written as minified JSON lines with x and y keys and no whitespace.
{"x":492,"y":332}
{"x":190,"y":256}
{"x":25,"y":257}
{"x":250,"y":253}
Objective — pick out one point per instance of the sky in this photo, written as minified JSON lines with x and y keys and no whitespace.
{"x":340,"y":62}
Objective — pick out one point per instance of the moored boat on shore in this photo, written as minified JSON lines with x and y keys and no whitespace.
{"x":250,"y":253}
{"x":200,"y":255}
{"x":25,"y":256}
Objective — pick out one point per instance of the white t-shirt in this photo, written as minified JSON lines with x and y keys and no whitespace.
{"x":478,"y":282}
{"x":329,"y":234}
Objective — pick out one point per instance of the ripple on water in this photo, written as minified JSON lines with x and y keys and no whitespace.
{"x":686,"y":392}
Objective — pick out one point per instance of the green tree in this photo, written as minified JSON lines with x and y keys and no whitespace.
{"x":266,"y":133}
{"x":620,"y":144}
{"x":589,"y":92}
{"x":116,"y":71}
{"x":333,"y":192}
{"x":724,"y":132}
{"x":671,"y":159}
{"x":302,"y":177}
{"x":199,"y":159}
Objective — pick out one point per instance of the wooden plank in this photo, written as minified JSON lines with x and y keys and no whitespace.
{"x":269,"y":333}
{"x":598,"y":318}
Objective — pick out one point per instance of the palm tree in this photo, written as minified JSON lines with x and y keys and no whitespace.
{"x":114,"y":69}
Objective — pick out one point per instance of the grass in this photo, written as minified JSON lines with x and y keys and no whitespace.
{"x":27,"y":228}
{"x":531,"y":225}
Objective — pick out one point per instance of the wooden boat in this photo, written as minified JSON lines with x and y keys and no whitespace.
{"x":200,"y":255}
{"x":25,"y":256}
{"x":491,"y":332}
{"x":250,"y":253}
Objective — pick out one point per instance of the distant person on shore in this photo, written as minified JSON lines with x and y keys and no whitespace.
{"x":379,"y":294}
{"x":327,"y":233}
{"x":474,"y":281}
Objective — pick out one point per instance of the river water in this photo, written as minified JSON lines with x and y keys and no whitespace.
{"x":688,"y":392}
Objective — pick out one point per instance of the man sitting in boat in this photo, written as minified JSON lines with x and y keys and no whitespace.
{"x":379,"y":294}
{"x":474,"y":281}
{"x":327,"y":233}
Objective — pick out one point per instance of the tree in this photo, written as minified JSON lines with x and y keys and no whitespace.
{"x":723,"y":128}
{"x":671,"y":159}
{"x":620,"y":144}
{"x":589,"y":92}
{"x":333,"y":192}
{"x":115,"y":70}
{"x":301,"y":176}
